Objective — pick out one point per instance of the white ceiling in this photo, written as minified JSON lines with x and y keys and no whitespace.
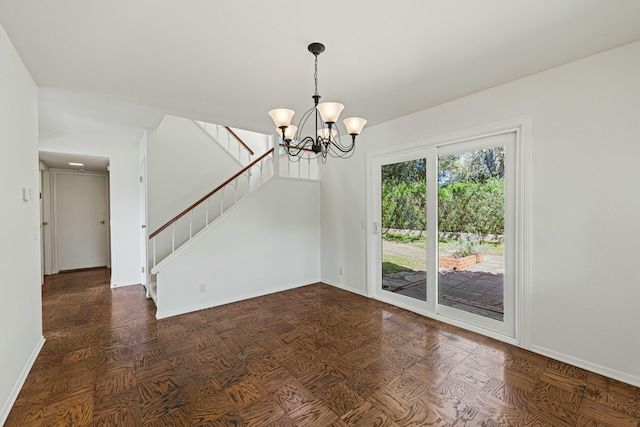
{"x":61,"y":161}
{"x":230,"y":61}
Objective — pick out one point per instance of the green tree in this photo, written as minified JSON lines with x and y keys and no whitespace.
{"x":409,"y":171}
{"x":478,"y":165}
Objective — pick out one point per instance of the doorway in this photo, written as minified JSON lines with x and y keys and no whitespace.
{"x":81,"y":212}
{"x":447,"y":233}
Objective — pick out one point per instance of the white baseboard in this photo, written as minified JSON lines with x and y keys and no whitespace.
{"x":345,"y":288}
{"x":162,"y":314}
{"x":120,"y":285}
{"x":6,"y":407}
{"x":593,"y":367}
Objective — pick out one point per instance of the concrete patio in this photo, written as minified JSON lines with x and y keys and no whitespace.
{"x":478,"y":292}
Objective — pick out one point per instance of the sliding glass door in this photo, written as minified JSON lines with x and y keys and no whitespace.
{"x":444,"y":234}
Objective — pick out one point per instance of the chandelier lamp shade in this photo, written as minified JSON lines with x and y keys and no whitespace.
{"x":325,"y":139}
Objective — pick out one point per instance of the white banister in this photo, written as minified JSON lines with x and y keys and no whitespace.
{"x":222,"y":200}
{"x":173,"y":237}
{"x":275,"y":156}
{"x":240,"y":152}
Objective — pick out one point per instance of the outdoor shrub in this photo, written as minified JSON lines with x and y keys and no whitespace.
{"x":467,"y":244}
{"x":472,"y":207}
{"x":470,"y":193}
{"x":468,"y":207}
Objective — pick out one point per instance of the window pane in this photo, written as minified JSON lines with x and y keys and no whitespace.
{"x":471,"y":231}
{"x":404,"y":228}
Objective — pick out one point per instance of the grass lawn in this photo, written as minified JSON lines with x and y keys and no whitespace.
{"x":389,"y":267}
{"x":444,"y":245}
{"x":395,"y":264}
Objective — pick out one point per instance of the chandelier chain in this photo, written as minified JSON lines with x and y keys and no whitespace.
{"x":315,"y":76}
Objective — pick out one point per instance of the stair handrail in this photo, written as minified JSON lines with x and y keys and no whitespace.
{"x":211,"y":193}
{"x":239,"y":140}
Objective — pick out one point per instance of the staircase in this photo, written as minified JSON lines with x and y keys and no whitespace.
{"x":171,"y":239}
{"x":195,"y":219}
{"x":226,"y":138}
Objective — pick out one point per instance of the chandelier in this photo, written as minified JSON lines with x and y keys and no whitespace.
{"x":326,"y":138}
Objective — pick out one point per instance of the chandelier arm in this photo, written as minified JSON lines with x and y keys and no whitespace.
{"x":310,"y":141}
{"x":336,"y":143}
{"x":303,"y":120}
{"x":342,"y":148}
{"x":342,"y":154}
{"x":296,"y":149}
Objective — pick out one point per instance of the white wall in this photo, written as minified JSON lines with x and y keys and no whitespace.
{"x":266,"y":243}
{"x":20,"y":305}
{"x":585,"y":203}
{"x":258,"y":142}
{"x":183,"y":164}
{"x":124,"y":187}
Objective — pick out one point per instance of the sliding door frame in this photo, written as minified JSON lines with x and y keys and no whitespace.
{"x":521,"y":126}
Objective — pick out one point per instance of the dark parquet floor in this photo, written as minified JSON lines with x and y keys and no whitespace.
{"x":313,"y":356}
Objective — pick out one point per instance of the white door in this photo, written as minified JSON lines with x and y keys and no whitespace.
{"x":144,"y":233}
{"x":42,"y":225}
{"x":82,"y":220}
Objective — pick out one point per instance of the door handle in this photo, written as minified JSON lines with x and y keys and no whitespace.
{"x":45,"y":223}
{"x":144,"y":226}
{"x":376,"y":228}
{"x":102,"y":221}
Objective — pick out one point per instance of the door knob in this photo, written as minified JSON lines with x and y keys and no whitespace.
{"x":144,"y":226}
{"x":45,"y":223}
{"x":102,"y":221}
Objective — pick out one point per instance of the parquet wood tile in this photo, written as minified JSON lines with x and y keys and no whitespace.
{"x":124,"y":416}
{"x":312,"y":356}
{"x":314,"y":413}
{"x":261,"y":412}
{"x":246,"y":391}
{"x":366,"y":415}
{"x":291,"y":395}
{"x":340,"y":398}
{"x":108,"y":404}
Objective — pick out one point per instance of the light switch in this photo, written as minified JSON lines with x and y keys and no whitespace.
{"x":26,"y":194}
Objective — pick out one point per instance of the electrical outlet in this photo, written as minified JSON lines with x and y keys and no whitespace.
{"x":341,"y":270}
{"x":203,"y":288}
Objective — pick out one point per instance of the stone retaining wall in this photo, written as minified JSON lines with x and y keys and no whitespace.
{"x":493,"y":238}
